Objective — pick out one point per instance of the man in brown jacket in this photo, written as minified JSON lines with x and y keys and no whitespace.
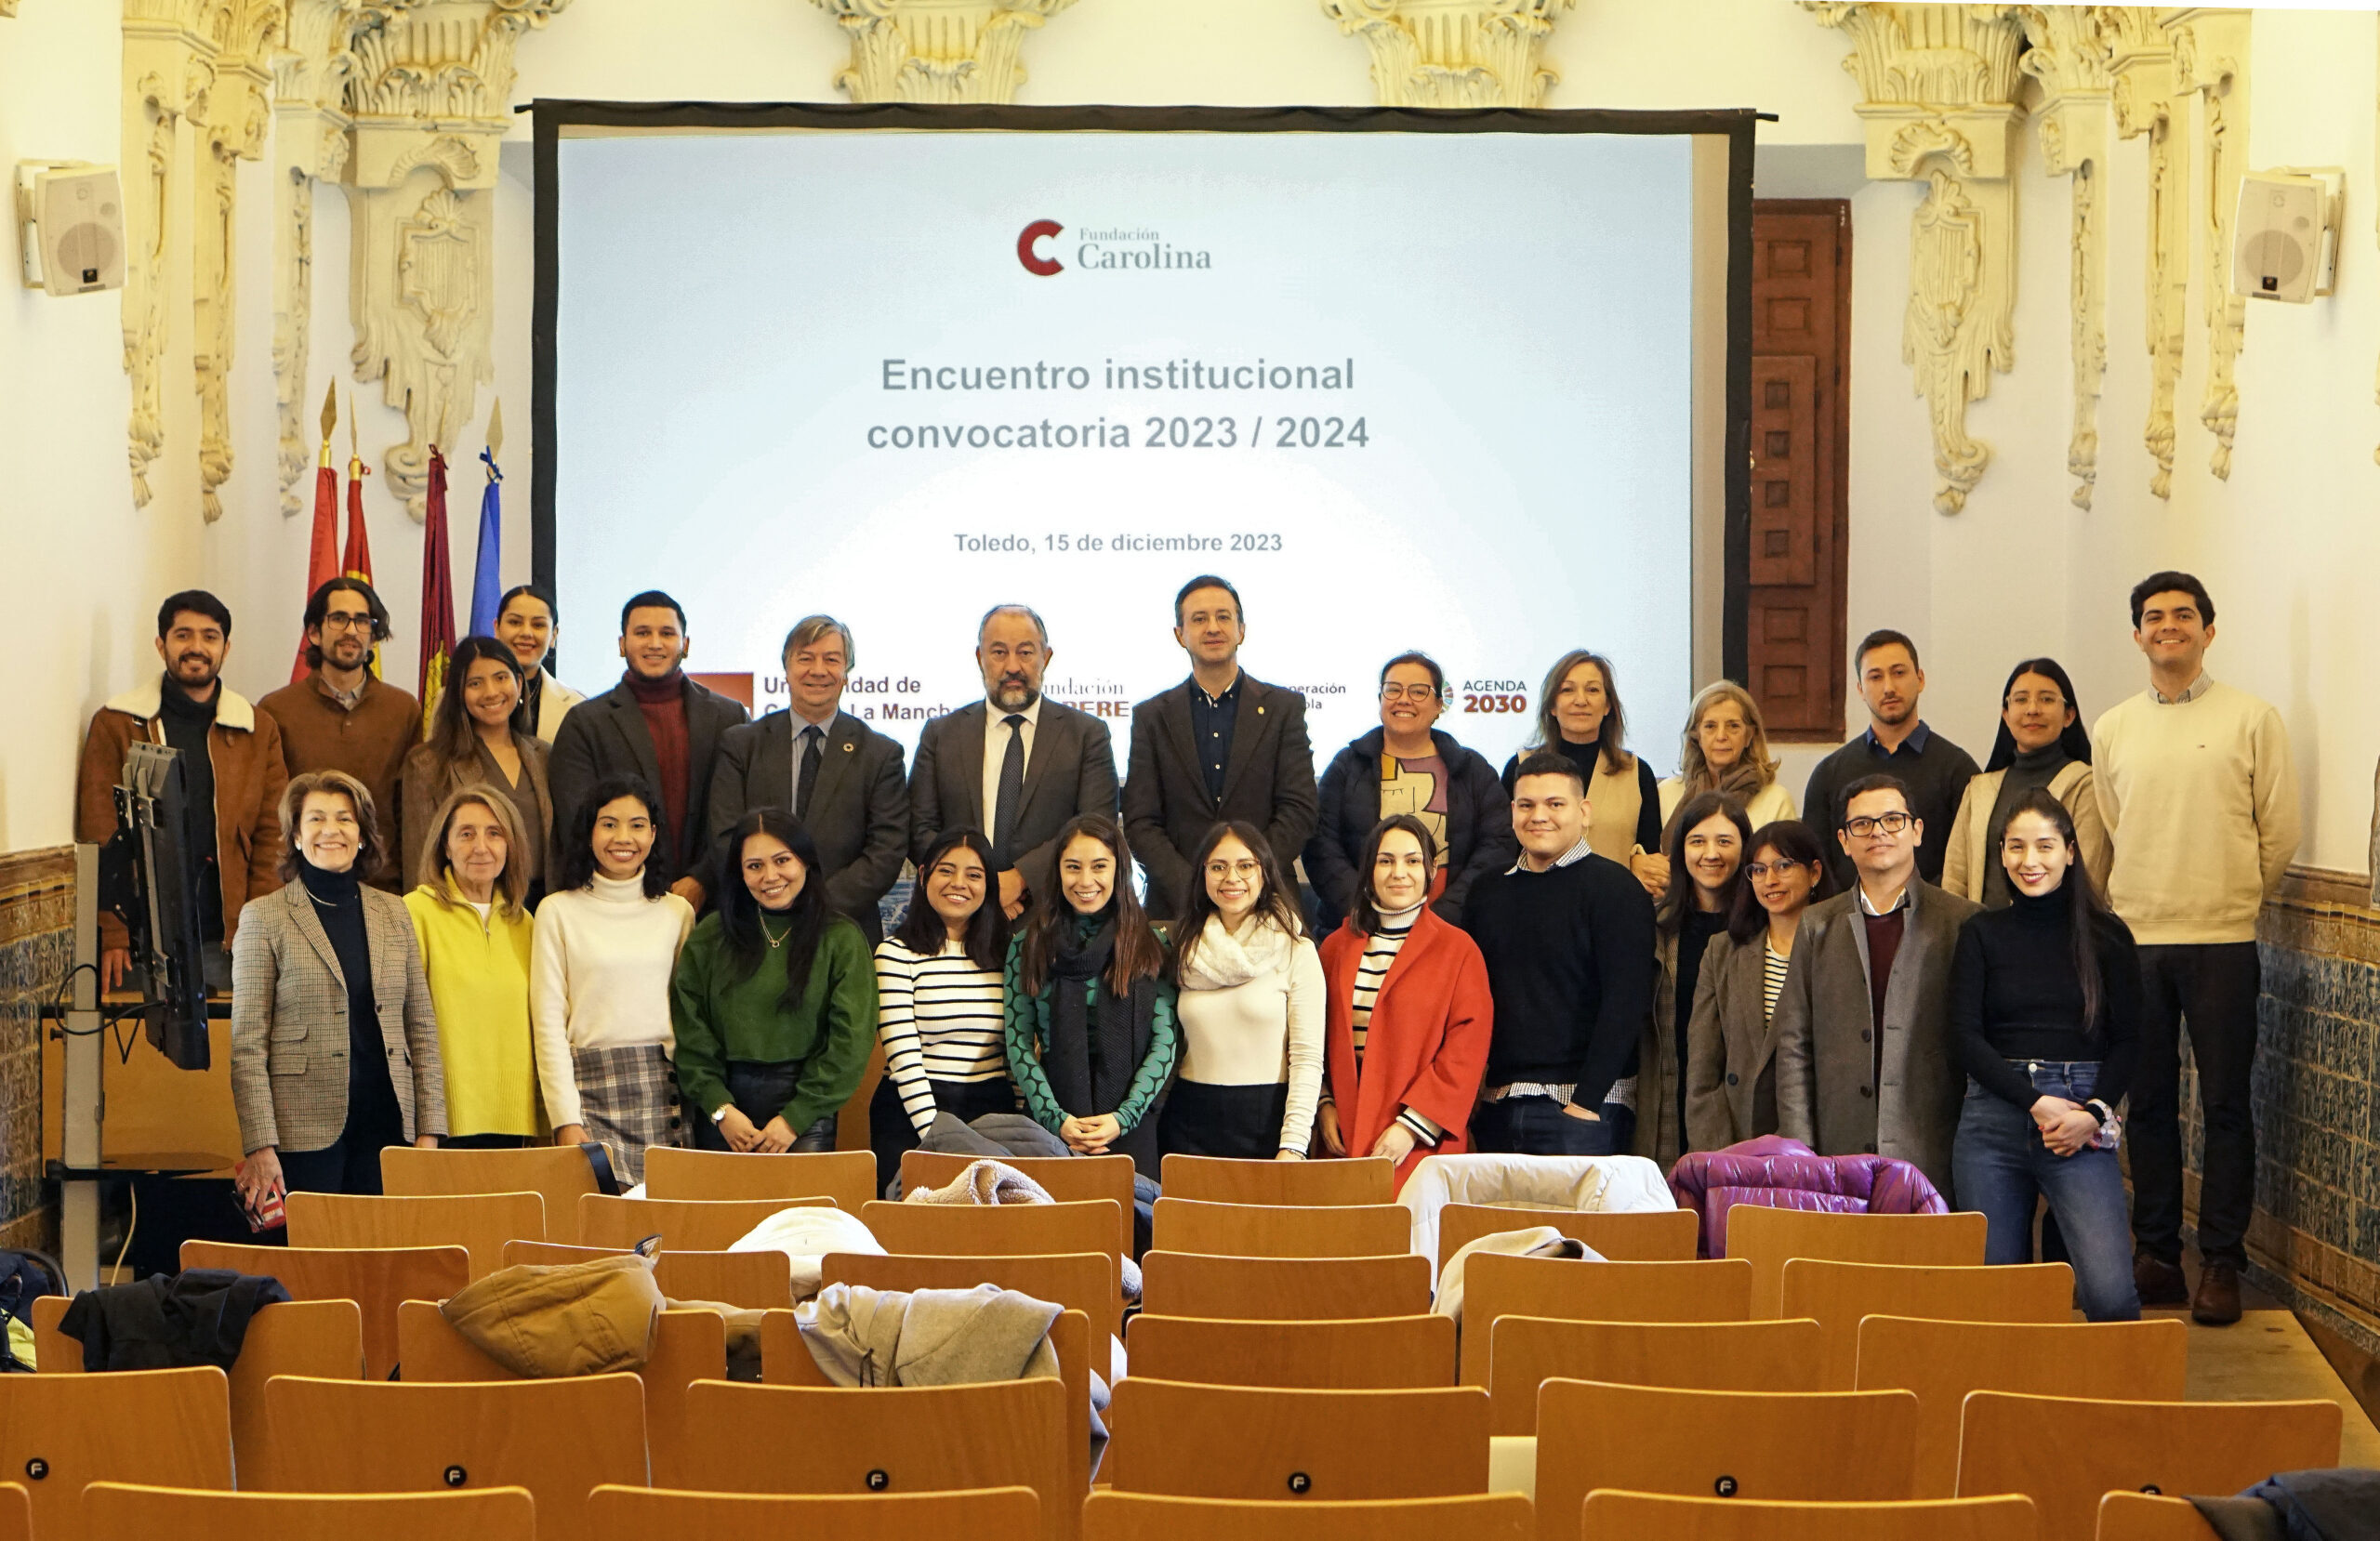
{"x":339,"y":717}
{"x":234,"y":785}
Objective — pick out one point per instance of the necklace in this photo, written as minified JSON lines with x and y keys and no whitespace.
{"x":774,"y":941}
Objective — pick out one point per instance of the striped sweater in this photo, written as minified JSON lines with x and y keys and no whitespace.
{"x":940,"y":1019}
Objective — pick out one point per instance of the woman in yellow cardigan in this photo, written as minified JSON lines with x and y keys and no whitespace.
{"x":475,"y":925}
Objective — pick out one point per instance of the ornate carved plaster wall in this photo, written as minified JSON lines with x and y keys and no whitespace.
{"x":309,"y":125}
{"x":1454,"y":53}
{"x":169,"y":70}
{"x":245,"y":33}
{"x":2069,"y":53}
{"x":2141,"y":65}
{"x":2211,"y":57}
{"x":937,"y":50}
{"x":1938,"y":89}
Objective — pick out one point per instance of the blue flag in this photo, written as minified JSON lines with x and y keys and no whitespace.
{"x":486,"y":583}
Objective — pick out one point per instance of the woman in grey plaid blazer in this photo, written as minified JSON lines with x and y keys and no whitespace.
{"x":334,"y":1044}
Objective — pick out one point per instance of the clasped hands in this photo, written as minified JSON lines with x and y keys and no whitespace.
{"x":1090,"y":1135}
{"x":2065,"y":1125}
{"x":742,"y":1135}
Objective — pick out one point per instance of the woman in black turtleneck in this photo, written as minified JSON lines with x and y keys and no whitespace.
{"x":333,"y":1042}
{"x":2046,"y":1000}
{"x":2041,"y":744}
{"x":1578,"y":717}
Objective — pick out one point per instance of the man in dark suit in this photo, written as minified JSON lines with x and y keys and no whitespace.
{"x":839,"y":776}
{"x":654,"y":724}
{"x":1013,"y":765}
{"x":1220,"y":746}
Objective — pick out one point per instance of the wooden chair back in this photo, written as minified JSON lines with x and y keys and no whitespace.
{"x":1495,"y":1285}
{"x":786,"y":1361}
{"x":1374,"y":1353}
{"x":1086,"y":1281}
{"x":1943,"y":1361}
{"x":1622,"y":1236}
{"x":1649,"y":1516}
{"x":59,"y":1434}
{"x":995,"y":1229}
{"x":117,"y":1511}
{"x":2148,"y":1517}
{"x":17,"y":1512}
{"x":847,"y":1176}
{"x":478,"y":1223}
{"x":1767,"y":1236}
{"x":559,"y":1174}
{"x":684,"y":1225}
{"x":1839,"y":1295}
{"x":1068,"y":1179}
{"x":1009,"y":1433}
{"x":1305,"y":1184}
{"x":1151,"y":1517}
{"x":559,"y":1438}
{"x":377,"y":1279}
{"x":1813,"y":1447}
{"x":1283,"y":1231}
{"x":1250,"y":1443}
{"x":1284,"y":1289}
{"x":54,"y":1352}
{"x":2007,"y":1445}
{"x":687,"y":1346}
{"x":1526,"y":1351}
{"x":753,"y":1281}
{"x":977,"y":1514}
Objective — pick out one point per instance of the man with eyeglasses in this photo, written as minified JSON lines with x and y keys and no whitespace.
{"x":1865,"y":1062}
{"x":339,"y":716}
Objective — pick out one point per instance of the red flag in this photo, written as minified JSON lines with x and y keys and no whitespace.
{"x":321,"y":557}
{"x":359,"y":544}
{"x":437,"y":596}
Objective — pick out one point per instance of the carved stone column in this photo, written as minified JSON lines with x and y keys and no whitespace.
{"x":168,"y":69}
{"x":244,"y":33}
{"x":1939,"y":86}
{"x":2141,"y":67}
{"x":937,"y":50}
{"x":428,"y":89}
{"x":309,"y":144}
{"x":1454,"y":53}
{"x":2069,"y":53}
{"x":2211,"y":57}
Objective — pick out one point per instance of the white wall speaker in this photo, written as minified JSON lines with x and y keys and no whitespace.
{"x":2285,"y":242}
{"x":70,"y":217}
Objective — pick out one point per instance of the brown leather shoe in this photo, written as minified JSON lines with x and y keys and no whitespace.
{"x":2217,"y":1301}
{"x":2159,"y":1281}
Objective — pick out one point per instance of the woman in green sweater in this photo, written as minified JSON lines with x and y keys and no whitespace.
{"x":773,"y":1001}
{"x":1090,"y":1033}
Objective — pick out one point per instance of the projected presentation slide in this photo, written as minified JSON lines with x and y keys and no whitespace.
{"x":1404,"y":390}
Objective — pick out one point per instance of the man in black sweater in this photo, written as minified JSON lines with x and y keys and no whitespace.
{"x":1568,"y":936}
{"x":1897,"y":743}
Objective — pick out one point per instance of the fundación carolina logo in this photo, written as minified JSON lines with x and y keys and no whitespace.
{"x":1119,"y":248}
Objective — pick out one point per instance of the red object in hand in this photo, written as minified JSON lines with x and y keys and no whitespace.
{"x":272,"y":1214}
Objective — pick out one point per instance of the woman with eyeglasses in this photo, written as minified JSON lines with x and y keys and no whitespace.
{"x":1250,"y":1009}
{"x":2041,"y":743}
{"x":1730,"y":1043}
{"x":1406,"y":765}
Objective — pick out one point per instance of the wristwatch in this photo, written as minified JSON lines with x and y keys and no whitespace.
{"x":721,"y":1116}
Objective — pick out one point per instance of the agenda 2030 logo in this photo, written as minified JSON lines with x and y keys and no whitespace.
{"x":1115,"y":249}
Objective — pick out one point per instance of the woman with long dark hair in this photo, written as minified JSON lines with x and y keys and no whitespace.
{"x":1578,"y":717}
{"x":606,"y":945}
{"x":1250,"y":1006}
{"x":472,"y":742}
{"x":2045,"y":1001}
{"x":939,"y":1003}
{"x":1091,"y":1040}
{"x":774,"y":998}
{"x":1730,"y":1045}
{"x":2041,"y":743}
{"x":1704,"y":846}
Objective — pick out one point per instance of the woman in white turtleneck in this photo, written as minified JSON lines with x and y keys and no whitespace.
{"x":1250,"y":1009}
{"x":606,"y":945}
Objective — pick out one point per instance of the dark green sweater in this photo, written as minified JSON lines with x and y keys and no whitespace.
{"x":720,"y":1014}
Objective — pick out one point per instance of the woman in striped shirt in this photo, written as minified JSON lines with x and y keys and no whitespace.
{"x":1408,"y":1012}
{"x":1730,"y":1048}
{"x":940,"y":1010}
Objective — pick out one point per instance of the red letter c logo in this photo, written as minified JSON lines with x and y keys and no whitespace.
{"x":1040,"y":230}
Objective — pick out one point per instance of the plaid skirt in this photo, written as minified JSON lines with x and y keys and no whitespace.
{"x":628,"y":1097}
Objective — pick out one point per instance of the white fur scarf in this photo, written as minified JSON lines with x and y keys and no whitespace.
{"x":1221,"y":960}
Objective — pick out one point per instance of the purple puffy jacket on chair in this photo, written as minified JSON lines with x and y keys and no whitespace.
{"x":1789,"y":1174}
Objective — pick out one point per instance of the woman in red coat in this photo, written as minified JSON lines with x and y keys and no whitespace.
{"x":1410,"y":1011}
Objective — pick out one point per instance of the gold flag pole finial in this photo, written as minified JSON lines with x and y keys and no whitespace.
{"x":355,"y":466}
{"x":330,"y":418}
{"x":495,"y":429}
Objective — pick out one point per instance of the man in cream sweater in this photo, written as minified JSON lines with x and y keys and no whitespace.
{"x":2200,"y":801}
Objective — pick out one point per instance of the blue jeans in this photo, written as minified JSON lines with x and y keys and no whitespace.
{"x":1537,"y":1126}
{"x":1999,"y":1166}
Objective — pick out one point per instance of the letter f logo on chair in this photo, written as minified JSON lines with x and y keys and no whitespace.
{"x":1039,"y":230}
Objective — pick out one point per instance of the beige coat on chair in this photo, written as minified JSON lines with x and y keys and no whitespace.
{"x":289,"y":1030}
